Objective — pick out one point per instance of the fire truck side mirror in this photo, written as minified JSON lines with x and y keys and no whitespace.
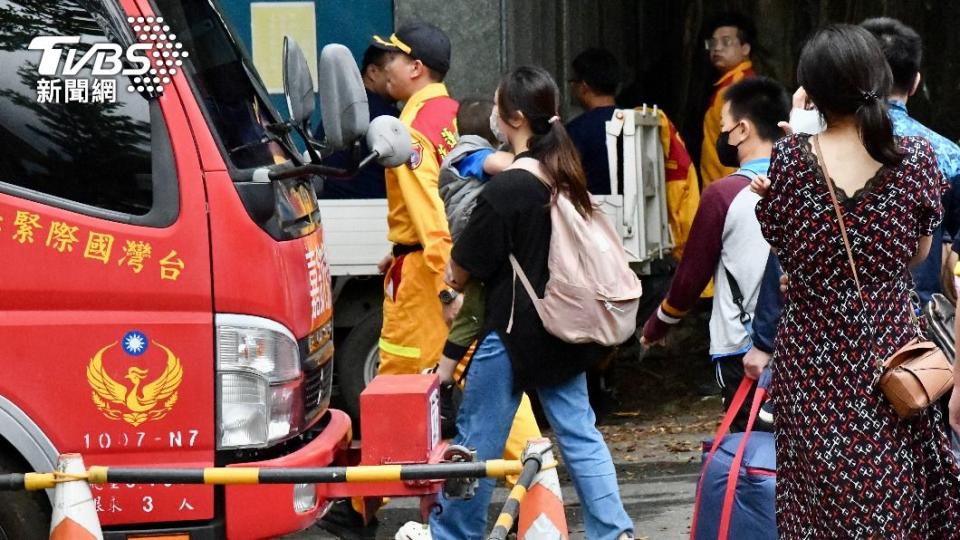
{"x":297,"y":84}
{"x":343,"y":100}
{"x":390,"y":140}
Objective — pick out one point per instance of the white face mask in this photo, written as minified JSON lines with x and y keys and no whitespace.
{"x":495,"y":128}
{"x":806,"y":121}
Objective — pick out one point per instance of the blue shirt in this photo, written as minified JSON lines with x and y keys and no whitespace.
{"x":926,"y":275}
{"x":471,"y":165}
{"x":947,"y":152}
{"x":589,"y":134}
{"x":754,"y":167}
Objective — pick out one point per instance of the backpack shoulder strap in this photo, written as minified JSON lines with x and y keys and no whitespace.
{"x":533,"y":167}
{"x":737,"y":296}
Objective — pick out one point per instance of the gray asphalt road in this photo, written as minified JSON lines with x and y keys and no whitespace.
{"x":657,"y":494}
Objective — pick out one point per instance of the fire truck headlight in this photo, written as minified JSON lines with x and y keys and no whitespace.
{"x":272,"y":352}
{"x":243,"y":411}
{"x":260,"y":382}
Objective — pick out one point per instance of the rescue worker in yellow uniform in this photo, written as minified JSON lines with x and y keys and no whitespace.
{"x":414,"y":332}
{"x":729,"y":44}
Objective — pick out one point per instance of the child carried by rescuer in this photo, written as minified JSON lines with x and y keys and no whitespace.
{"x":464,"y":171}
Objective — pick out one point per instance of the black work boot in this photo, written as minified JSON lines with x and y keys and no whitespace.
{"x":346,"y":523}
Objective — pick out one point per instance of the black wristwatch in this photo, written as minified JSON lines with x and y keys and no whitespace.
{"x":447,"y":296}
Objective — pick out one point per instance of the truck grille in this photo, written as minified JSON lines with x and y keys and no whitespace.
{"x":317,"y":386}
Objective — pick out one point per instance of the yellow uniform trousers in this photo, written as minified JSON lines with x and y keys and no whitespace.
{"x":414,"y":333}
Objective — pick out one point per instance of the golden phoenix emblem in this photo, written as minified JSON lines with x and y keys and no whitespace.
{"x":137,"y":404}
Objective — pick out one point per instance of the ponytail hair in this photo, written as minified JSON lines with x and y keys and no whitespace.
{"x":876,"y":131}
{"x":846,"y":74}
{"x":532,"y":92}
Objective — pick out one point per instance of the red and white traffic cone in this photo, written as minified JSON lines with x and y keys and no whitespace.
{"x":74,"y":512}
{"x":541,"y":511}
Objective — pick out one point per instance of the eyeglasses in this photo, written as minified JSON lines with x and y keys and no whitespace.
{"x":723,"y":42}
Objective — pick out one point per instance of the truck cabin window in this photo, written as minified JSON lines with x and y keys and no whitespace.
{"x":72,"y":134}
{"x":232,"y":97}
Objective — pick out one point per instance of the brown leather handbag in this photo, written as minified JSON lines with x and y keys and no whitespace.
{"x":917,"y":374}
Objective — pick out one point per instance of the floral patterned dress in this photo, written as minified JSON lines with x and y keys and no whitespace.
{"x":848,"y":466}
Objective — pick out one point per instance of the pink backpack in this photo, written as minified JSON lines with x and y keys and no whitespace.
{"x":592,"y":295}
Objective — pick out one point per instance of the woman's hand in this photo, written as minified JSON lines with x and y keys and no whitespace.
{"x":801,"y":100}
{"x":954,"y":408}
{"x":754,"y":362}
{"x":760,"y":185}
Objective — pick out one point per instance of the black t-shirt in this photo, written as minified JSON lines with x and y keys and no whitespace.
{"x":513,"y":216}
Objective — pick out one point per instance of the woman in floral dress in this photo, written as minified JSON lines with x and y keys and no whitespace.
{"x":848,"y":466}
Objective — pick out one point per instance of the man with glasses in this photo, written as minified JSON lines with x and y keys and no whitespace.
{"x":729,"y":45}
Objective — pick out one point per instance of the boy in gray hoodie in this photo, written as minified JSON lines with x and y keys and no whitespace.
{"x":472,"y":162}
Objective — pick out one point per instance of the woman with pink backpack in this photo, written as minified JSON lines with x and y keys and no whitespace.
{"x":512,"y":220}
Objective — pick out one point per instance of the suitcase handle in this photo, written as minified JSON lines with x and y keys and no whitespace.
{"x":734,"y":474}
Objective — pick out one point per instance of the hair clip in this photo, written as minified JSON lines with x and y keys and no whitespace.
{"x":554,"y":118}
{"x":869,"y":96}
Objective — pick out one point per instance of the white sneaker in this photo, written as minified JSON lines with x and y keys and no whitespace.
{"x":412,"y":530}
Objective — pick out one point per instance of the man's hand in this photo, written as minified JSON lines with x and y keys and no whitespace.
{"x":784,"y":283}
{"x":754,"y":362}
{"x":646,"y":343}
{"x":450,"y":310}
{"x":760,"y":185}
{"x":385,"y":263}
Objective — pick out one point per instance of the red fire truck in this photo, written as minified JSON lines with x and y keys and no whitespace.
{"x":164,"y":293}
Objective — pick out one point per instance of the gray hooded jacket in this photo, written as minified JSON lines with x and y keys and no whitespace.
{"x":459,"y":193}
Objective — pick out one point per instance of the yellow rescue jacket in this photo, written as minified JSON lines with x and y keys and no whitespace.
{"x":415,"y":210}
{"x":683,"y":193}
{"x":710,"y":168}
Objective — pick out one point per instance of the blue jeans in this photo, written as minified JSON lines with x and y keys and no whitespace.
{"x":483,"y":422}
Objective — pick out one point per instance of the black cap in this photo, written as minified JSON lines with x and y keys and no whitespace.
{"x":422,"y":41}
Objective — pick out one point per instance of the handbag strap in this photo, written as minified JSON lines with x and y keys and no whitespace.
{"x":839,"y":212}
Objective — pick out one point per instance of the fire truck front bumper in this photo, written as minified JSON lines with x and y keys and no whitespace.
{"x":269,"y":510}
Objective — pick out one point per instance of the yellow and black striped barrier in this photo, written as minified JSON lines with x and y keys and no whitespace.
{"x":496,"y":468}
{"x":532,"y":463}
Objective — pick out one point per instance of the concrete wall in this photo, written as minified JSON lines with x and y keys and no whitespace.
{"x":475,"y":29}
{"x":490,"y":36}
{"x":660,"y":46}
